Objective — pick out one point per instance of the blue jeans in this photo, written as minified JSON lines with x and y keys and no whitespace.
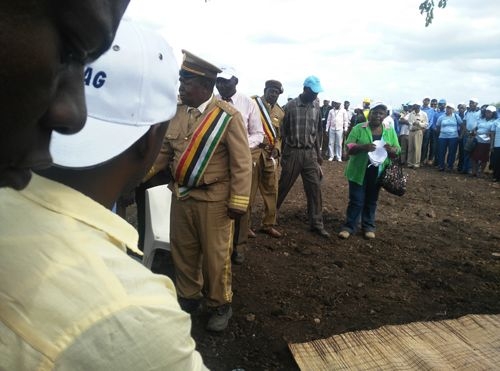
{"x":426,"y":150}
{"x":434,"y":146}
{"x":362,"y":203}
{"x":496,"y":163}
{"x":450,"y":145}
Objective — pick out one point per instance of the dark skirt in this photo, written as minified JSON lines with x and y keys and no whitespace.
{"x":481,"y":152}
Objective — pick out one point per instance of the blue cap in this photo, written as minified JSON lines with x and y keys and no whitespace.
{"x":442,"y":101}
{"x":312,"y":82}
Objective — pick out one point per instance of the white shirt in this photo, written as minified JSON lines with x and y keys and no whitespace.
{"x":251,"y":116}
{"x":349,"y":114}
{"x":337,"y":120}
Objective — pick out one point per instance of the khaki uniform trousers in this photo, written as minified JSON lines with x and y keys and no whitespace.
{"x":266,"y":181}
{"x":403,"y":143}
{"x":415,"y":147}
{"x":242,"y":224}
{"x":201,"y":241}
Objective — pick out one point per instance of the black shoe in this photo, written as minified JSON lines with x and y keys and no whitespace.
{"x":189,"y":305}
{"x":219,"y":319}
{"x":237,"y":257}
{"x":321,"y":231}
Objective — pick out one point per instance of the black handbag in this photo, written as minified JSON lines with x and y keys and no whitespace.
{"x":470,"y":143}
{"x":393,"y":179}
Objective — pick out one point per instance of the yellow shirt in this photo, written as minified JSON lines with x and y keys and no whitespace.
{"x":71,"y":298}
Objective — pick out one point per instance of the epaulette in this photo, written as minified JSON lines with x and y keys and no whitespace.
{"x":226,"y":106}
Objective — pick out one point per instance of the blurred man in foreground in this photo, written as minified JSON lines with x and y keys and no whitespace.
{"x":76,"y":299}
{"x":44,"y":47}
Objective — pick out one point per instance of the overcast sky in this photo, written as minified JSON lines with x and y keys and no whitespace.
{"x":358,"y":48}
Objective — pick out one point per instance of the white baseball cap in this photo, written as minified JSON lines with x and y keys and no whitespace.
{"x":227,"y":72}
{"x":378,"y":104}
{"x":128,"y":89}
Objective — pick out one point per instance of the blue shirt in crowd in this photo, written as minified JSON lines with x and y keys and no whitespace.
{"x":471,"y":118}
{"x":495,"y":128}
{"x":449,"y":126}
{"x":436,"y":116}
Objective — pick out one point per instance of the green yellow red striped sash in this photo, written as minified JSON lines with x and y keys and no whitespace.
{"x":194,"y":160}
{"x":267,"y":123}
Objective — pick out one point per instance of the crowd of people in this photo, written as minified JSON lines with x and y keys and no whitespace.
{"x":462,"y":138}
{"x":451,"y":138}
{"x":92,"y":111}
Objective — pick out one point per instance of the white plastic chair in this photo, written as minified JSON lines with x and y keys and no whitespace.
{"x":157,"y":228}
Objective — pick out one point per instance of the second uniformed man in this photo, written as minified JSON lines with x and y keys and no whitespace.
{"x":265,"y":171}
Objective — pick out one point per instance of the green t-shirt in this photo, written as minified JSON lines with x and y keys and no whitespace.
{"x":362,"y":134}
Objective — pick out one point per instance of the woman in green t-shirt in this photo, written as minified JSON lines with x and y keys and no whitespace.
{"x":362,"y":173}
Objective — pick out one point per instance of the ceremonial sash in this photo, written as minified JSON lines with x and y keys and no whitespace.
{"x":195,"y":158}
{"x":267,"y":123}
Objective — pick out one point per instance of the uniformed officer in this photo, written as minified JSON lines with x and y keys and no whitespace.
{"x":265,"y":171}
{"x":207,"y":150}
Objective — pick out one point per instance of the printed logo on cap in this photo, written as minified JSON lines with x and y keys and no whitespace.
{"x":96,"y":80}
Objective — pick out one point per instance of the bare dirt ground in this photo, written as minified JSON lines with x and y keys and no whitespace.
{"x":435,"y":257}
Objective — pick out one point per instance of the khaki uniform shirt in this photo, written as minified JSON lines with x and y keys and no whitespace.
{"x":228,"y":174}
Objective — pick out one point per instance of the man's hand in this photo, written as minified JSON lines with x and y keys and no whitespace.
{"x":234,"y":213}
